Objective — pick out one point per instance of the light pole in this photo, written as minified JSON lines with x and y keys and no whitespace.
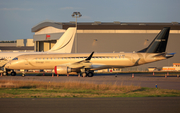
{"x":76,"y":15}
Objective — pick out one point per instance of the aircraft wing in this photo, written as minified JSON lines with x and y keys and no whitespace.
{"x":3,"y":59}
{"x":86,"y":60}
{"x":81,"y":64}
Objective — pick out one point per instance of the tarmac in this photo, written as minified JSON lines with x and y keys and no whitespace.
{"x":98,"y":105}
{"x":91,"y":105}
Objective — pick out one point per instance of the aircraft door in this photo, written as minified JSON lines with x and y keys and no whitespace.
{"x":25,"y":61}
{"x":133,"y":57}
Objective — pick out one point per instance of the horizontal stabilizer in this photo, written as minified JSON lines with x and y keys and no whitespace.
{"x":160,"y":54}
{"x":169,"y":55}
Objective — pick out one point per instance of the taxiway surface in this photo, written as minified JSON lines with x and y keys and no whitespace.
{"x":92,"y":105}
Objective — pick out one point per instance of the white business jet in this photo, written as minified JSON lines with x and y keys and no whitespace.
{"x":85,"y":64}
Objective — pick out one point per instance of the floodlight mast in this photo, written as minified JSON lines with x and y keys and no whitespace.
{"x":76,"y":15}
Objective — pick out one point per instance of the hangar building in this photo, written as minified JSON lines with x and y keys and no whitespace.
{"x":109,"y":37}
{"x":20,"y":45}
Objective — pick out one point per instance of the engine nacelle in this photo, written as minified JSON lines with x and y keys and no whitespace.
{"x":62,"y":69}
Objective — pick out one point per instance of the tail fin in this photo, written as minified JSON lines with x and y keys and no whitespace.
{"x":158,"y":45}
{"x":65,"y":43}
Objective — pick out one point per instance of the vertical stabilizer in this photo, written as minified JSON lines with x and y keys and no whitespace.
{"x":65,"y":43}
{"x":158,"y":45}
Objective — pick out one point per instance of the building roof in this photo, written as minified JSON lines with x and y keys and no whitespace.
{"x":46,"y":24}
{"x":108,"y":25}
{"x":17,"y":48}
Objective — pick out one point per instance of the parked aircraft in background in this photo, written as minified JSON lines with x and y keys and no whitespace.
{"x":81,"y":63}
{"x":63,"y":45}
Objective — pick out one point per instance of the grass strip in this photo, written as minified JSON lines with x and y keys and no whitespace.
{"x":39,"y":89}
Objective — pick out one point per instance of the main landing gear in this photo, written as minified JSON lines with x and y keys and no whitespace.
{"x":13,"y":73}
{"x":87,"y":74}
{"x":5,"y":73}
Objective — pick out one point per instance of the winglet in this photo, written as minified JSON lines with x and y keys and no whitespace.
{"x":89,"y":58}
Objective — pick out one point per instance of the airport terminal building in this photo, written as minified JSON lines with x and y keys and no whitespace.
{"x":109,"y":37}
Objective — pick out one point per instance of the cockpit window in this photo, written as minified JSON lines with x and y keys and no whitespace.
{"x":15,"y":58}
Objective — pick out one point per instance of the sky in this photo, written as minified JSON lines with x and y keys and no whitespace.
{"x":18,"y":17}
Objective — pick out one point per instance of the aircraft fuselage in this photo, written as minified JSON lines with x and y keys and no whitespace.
{"x":98,"y":61}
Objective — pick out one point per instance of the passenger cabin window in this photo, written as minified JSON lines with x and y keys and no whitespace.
{"x":15,"y":58}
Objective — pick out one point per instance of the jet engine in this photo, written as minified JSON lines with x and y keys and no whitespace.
{"x":62,"y":69}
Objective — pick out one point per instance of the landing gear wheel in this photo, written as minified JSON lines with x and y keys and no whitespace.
{"x":23,"y":74}
{"x":13,"y":73}
{"x":84,"y":74}
{"x":5,"y":73}
{"x":91,"y":74}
